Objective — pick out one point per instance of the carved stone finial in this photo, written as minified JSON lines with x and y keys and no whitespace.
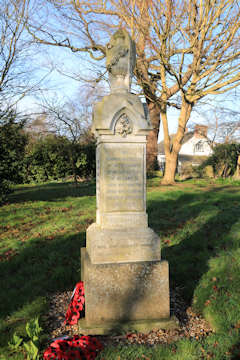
{"x":121,"y":61}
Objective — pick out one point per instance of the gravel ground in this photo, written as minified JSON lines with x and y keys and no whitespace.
{"x":191,"y":325}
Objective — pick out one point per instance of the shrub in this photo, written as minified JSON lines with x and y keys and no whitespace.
{"x":85,"y":160}
{"x":47,"y":159}
{"x":223,"y":160}
{"x":12,"y":149}
{"x":56,"y":157}
{"x":188,"y":171}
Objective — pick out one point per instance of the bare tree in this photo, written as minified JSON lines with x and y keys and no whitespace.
{"x":222,"y":122}
{"x":229,"y":131}
{"x":227,"y":125}
{"x":13,"y":79}
{"x":187,"y":50}
{"x":19,"y":75}
{"x":71,"y":120}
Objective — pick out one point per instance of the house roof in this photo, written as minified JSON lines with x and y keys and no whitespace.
{"x":186,"y":137}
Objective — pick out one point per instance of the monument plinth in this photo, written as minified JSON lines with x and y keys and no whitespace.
{"x":125,"y":279}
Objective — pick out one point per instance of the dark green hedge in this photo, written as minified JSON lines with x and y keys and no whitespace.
{"x":13,"y":142}
{"x":25,"y":159}
{"x":56,"y":157}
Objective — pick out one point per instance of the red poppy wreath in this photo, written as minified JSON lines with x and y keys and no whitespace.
{"x":76,"y":347}
{"x":76,"y":307}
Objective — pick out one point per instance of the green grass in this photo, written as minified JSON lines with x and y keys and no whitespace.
{"x":42,"y":229}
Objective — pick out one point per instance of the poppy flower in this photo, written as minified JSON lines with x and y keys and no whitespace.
{"x":76,"y":307}
{"x":77,"y":347}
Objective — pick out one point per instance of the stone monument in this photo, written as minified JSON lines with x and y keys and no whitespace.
{"x":126,"y":283}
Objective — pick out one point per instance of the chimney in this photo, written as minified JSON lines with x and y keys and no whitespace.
{"x":200,"y":131}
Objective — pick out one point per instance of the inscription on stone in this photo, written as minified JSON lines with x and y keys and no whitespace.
{"x":123,"y":177}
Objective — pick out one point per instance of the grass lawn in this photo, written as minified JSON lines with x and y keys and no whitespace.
{"x":42,"y":229}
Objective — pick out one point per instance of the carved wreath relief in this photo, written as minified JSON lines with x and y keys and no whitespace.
{"x":123,"y":126}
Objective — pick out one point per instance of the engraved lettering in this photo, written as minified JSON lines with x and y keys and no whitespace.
{"x":123,"y":179}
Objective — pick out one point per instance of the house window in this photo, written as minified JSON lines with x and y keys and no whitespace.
{"x":199,"y":147}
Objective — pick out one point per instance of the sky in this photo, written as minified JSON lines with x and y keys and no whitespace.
{"x":51,"y":61}
{"x":61,"y":88}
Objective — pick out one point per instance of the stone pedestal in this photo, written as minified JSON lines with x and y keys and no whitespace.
{"x":108,"y":245}
{"x":120,"y":292}
{"x":124,"y":278}
{"x":121,"y":297}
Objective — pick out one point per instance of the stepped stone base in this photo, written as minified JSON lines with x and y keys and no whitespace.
{"x":143,"y":326}
{"x":106,"y":245}
{"x":123,"y":292}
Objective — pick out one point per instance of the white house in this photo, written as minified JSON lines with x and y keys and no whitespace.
{"x":195,"y":148}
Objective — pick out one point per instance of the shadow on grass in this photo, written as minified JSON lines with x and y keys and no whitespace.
{"x":188,"y":260}
{"x":42,"y":267}
{"x":52,"y":191}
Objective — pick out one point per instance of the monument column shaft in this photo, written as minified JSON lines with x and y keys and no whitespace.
{"x":121,"y":181}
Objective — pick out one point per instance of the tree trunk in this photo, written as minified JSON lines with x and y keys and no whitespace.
{"x":237,"y":172}
{"x":170,"y":169}
{"x":152,"y":139}
{"x":173,"y":146}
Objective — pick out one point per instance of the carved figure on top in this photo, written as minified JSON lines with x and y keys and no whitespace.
{"x":121,"y":61}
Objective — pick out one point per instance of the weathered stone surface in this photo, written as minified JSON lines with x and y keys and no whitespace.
{"x":111,"y":108}
{"x":121,"y":60}
{"x":122,"y":179}
{"x":122,"y":245}
{"x":126,"y":291}
{"x":143,"y":326}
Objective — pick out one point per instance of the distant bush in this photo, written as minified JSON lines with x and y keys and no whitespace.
{"x":223,"y":160}
{"x":152,"y":168}
{"x":188,"y":171}
{"x":56,"y":157}
{"x":204,"y":171}
{"x":85,"y":160}
{"x":25,"y":159}
{"x":47,"y":159}
{"x":12,"y":149}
